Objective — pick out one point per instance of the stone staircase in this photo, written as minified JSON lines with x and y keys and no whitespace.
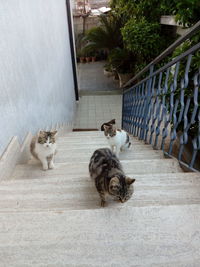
{"x":54,"y":218}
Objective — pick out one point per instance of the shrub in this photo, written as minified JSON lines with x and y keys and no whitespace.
{"x":122,"y":60}
{"x":142,"y":38}
{"x":107,"y":36}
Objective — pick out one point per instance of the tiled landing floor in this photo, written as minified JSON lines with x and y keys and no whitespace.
{"x":91,"y":77}
{"x":94,"y":110}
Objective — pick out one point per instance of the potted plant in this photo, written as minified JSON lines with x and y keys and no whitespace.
{"x":106,"y":36}
{"x":108,"y":71}
{"x":87,"y":54}
{"x":122,"y":61}
{"x":88,"y":59}
{"x":94,"y":57}
{"x":81,"y":57}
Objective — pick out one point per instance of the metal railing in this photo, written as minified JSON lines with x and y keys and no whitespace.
{"x":163,"y":109}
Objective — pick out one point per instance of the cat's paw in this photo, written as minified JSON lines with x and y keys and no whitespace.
{"x":103,"y":203}
{"x":51,"y":166}
{"x":45,"y":168}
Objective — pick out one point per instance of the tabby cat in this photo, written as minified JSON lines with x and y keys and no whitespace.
{"x":106,"y":170}
{"x":43,"y":148}
{"x":118,"y":139}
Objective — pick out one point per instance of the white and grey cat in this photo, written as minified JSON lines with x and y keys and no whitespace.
{"x":118,"y":139}
{"x":43,"y":148}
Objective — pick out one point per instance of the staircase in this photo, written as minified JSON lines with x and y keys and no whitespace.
{"x":54,"y":218}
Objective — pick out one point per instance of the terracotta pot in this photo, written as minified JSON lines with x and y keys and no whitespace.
{"x":116,"y":76}
{"x":124,"y":78}
{"x":82,"y":59}
{"x":87,"y":59}
{"x":108,"y":73}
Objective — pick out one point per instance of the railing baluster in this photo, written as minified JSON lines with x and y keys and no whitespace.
{"x":184,"y":136}
{"x":159,"y":114}
{"x":173,"y":130}
{"x":150,"y":103}
{"x":154,"y":111}
{"x":163,"y":107}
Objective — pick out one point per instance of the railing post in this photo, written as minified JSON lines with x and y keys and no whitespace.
{"x":146,"y":108}
{"x":122,"y":122}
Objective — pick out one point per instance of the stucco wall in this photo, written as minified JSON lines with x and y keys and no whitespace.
{"x":99,"y":3}
{"x":36,"y":79}
{"x":90,"y":22}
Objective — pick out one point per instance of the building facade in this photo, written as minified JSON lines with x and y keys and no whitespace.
{"x":36,"y":74}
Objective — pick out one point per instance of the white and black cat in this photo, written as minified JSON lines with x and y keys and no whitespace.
{"x":106,"y":170}
{"x":118,"y":139}
{"x":111,"y":122}
{"x":43,"y":148}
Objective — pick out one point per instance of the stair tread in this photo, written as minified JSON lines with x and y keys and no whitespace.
{"x":92,"y":148}
{"x":52,"y":218}
{"x":101,"y":144}
{"x":148,"y":178}
{"x":147,"y":236}
{"x":139,"y":166}
{"x":83,"y":155}
{"x":71,"y":197}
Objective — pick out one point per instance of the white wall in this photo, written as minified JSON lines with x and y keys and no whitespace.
{"x":36,"y":78}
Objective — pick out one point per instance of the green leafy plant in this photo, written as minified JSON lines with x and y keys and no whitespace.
{"x":189,"y":91}
{"x":142,"y":38}
{"x":108,"y":67}
{"x":141,"y":31}
{"x":107,"y":36}
{"x":187,"y":11}
{"x":122,"y":60}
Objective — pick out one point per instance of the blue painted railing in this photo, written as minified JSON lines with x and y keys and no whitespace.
{"x":163,"y":109}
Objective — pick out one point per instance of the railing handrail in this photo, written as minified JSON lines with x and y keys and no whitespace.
{"x":166,"y":52}
{"x":168,"y":65}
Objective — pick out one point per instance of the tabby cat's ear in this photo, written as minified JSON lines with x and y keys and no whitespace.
{"x":129,"y":180}
{"x":114,"y":183}
{"x":54,"y":133}
{"x":41,"y":132}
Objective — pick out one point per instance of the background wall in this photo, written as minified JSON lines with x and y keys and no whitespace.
{"x":36,"y":79}
{"x":90,"y":22}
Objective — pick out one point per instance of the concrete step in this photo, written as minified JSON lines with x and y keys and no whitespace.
{"x":148,"y":236}
{"x":88,"y":138}
{"x":92,"y":147}
{"x":83,"y":134}
{"x":87,"y":134}
{"x":94,"y":142}
{"x":100,"y":142}
{"x":73,"y":196}
{"x":85,"y":92}
{"x":84,"y":153}
{"x":74,"y":192}
{"x":154,"y":179}
{"x":80,"y":187}
{"x":138,"y":166}
{"x":95,"y":137}
{"x":78,"y":155}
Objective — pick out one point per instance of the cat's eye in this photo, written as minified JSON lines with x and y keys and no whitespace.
{"x":41,"y":141}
